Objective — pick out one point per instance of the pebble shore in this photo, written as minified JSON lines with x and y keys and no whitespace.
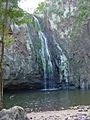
{"x":73,"y":113}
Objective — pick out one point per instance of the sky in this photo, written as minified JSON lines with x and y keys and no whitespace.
{"x":29,"y":5}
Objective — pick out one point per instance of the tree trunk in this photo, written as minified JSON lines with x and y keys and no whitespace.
{"x":4,"y":33}
{"x":1,"y":88}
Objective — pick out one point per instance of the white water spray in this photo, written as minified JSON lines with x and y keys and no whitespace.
{"x":46,"y":58}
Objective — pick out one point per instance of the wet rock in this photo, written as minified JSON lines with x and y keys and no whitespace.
{"x":14,"y":113}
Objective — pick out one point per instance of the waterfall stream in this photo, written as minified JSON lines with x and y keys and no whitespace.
{"x":46,"y":58}
{"x":63,"y":66}
{"x":47,"y":63}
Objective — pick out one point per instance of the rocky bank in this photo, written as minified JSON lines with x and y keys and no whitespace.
{"x":73,"y":113}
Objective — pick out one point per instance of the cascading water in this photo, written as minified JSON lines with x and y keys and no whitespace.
{"x":63,"y":65}
{"x":46,"y":59}
{"x":48,"y":64}
{"x":64,"y":68}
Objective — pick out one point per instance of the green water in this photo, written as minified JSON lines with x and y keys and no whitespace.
{"x":50,"y":100}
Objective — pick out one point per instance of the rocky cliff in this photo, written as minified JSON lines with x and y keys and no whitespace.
{"x":61,"y":16}
{"x":20,"y":68}
{"x":35,"y":60}
{"x":44,"y":55}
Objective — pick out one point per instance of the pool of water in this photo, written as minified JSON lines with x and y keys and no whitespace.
{"x":47,"y":100}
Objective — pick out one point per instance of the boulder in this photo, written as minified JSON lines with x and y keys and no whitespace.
{"x":14,"y":113}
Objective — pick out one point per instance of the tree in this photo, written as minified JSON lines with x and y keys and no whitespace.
{"x":3,"y":34}
{"x":8,"y":10}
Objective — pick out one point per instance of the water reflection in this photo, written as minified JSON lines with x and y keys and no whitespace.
{"x":49,"y":100}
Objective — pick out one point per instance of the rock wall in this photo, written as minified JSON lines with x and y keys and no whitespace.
{"x":24,"y":67}
{"x":20,"y":68}
{"x":80,"y":57}
{"x":69,"y":57}
{"x":61,"y":16}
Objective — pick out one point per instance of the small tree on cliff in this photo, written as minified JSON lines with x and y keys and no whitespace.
{"x":8,"y":10}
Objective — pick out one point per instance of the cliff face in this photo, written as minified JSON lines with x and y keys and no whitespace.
{"x":45,"y":56}
{"x":35,"y":60}
{"x":20,"y":68}
{"x":80,"y":56}
{"x":61,"y":15}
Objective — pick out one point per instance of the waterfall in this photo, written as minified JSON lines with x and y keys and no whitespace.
{"x":64,"y":68}
{"x":63,"y":65}
{"x":29,"y":41}
{"x":46,"y":58}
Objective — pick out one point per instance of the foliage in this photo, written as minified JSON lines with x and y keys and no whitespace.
{"x":54,"y":8}
{"x":41,"y":8}
{"x":15,"y":15}
{"x":82,"y":16}
{"x":9,"y":12}
{"x":51,"y":7}
{"x":83,"y":11}
{"x":8,"y":40}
